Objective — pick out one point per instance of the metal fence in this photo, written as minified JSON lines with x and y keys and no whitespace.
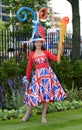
{"x":12,"y":44}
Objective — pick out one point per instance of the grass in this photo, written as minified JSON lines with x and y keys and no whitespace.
{"x":65,"y":120}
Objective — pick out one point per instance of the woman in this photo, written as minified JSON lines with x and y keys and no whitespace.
{"x":44,"y":86}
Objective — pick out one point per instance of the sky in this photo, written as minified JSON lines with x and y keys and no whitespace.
{"x":63,"y":7}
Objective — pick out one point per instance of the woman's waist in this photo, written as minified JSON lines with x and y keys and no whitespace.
{"x":42,"y":65}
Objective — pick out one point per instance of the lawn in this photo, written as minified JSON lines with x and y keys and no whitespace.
{"x":65,"y":120}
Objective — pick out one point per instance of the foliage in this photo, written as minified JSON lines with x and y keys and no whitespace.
{"x":8,"y":114}
{"x":63,"y":71}
{"x":66,"y":120}
{"x":22,"y":66}
{"x":15,"y":5}
{"x":61,"y":106}
{"x":52,"y":107}
{"x":10,"y":68}
{"x":2,"y":26}
{"x":77,"y":73}
{"x":68,"y":72}
{"x":12,"y":90}
{"x":11,"y":87}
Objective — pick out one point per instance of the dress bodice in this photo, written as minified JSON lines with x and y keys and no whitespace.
{"x":40,"y":60}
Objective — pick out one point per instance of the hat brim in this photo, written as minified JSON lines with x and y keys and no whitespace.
{"x":36,"y":39}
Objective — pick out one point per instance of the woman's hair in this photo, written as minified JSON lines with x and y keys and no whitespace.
{"x":34,"y":47}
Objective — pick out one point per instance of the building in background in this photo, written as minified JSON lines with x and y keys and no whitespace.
{"x":53,"y":16}
{"x":3,"y":15}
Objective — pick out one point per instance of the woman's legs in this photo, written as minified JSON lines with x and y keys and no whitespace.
{"x":29,"y":109}
{"x":27,"y":114}
{"x":44,"y":110}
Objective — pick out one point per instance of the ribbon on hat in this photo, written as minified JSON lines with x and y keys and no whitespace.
{"x":24,"y":14}
{"x":63,"y":24}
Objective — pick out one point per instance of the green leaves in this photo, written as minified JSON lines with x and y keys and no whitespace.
{"x":10,"y":68}
{"x":14,"y":5}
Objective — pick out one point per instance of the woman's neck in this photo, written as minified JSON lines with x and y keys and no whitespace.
{"x":38,"y":52}
{"x":38,"y":49}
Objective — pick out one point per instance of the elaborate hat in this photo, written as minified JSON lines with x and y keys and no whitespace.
{"x":38,"y":32}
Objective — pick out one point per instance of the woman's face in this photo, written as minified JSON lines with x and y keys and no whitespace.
{"x":38,"y":44}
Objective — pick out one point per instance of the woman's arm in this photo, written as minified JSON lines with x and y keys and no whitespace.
{"x":29,"y":66}
{"x":52,"y":56}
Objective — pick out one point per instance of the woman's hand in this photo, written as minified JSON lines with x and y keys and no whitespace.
{"x":58,"y":59}
{"x":27,"y":83}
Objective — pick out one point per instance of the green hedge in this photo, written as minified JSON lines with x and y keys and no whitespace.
{"x":68,"y":73}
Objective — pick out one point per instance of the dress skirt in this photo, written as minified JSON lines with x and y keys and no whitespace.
{"x":44,"y":87}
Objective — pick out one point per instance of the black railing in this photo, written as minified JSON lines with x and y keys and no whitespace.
{"x":12,"y":44}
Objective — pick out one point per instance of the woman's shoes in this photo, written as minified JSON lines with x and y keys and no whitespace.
{"x":26,"y":118}
{"x":44,"y":121}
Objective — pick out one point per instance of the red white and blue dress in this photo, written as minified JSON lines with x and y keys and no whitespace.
{"x":44,"y":85}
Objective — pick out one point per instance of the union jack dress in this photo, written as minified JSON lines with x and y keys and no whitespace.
{"x":44,"y":85}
